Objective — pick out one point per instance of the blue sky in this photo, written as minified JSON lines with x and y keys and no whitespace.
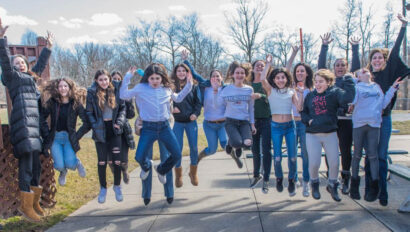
{"x":77,"y":21}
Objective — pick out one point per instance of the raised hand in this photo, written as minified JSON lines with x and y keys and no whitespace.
{"x":295,"y":48}
{"x":184,"y":54}
{"x":50,"y":39}
{"x":132,"y":70}
{"x":2,"y":29}
{"x":268,"y":59}
{"x":397,"y":83}
{"x":354,"y":40}
{"x":326,"y":38}
{"x":402,"y":19}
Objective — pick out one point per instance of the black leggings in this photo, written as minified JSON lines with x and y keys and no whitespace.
{"x":345,"y":135}
{"x":29,"y":171}
{"x":111,"y":147}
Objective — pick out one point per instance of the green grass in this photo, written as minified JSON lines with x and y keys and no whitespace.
{"x":79,"y":191}
{"x":403,"y":126}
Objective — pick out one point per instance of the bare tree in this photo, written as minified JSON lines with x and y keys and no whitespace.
{"x":169,"y":42}
{"x":366,"y":28}
{"x":245,"y":25}
{"x":310,"y":52}
{"x":346,"y":26}
{"x":29,"y":38}
{"x":388,"y":29}
{"x":279,"y":44}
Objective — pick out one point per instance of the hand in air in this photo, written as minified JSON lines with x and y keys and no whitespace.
{"x":3,"y":29}
{"x":326,"y":38}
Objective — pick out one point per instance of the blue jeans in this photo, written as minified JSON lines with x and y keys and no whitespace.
{"x":213,"y":133}
{"x":150,"y":132}
{"x":287,"y":130}
{"x":383,"y":149}
{"x":191,"y":129}
{"x":147,"y":183}
{"x":301,"y":139}
{"x":263,"y":135}
{"x":63,"y":154}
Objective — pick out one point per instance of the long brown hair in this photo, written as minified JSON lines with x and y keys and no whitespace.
{"x":177,"y":82}
{"x":157,"y":68}
{"x":104,"y":95}
{"x":50,"y":91}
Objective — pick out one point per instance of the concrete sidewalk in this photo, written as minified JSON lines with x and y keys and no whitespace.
{"x":223,"y":201}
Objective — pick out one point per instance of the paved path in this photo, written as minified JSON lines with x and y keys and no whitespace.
{"x":223,"y":202}
{"x":400,"y":117}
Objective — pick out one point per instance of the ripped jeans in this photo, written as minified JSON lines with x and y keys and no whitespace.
{"x":111,"y":147}
{"x":278,"y":131}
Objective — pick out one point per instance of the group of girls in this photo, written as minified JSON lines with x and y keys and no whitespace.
{"x":256,"y":105}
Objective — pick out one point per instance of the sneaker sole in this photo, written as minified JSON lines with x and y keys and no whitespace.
{"x":254,"y":185}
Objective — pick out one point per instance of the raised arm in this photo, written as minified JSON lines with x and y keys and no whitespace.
{"x":396,"y":48}
{"x":354,"y":41}
{"x":265,"y":84}
{"x":202,"y":81}
{"x":326,"y":40}
{"x":125,"y":93}
{"x":295,"y":49}
{"x":390,"y":93}
{"x":6,"y":67}
{"x":44,"y":56}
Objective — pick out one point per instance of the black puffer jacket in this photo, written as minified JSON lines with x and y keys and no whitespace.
{"x":25,"y":116}
{"x":95,"y":116}
{"x":74,"y":136}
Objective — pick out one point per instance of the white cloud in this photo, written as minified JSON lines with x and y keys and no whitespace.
{"x":177,"y":8}
{"x":144,"y":12}
{"x":74,"y":23}
{"x":119,"y":31}
{"x":15,"y":19}
{"x":81,"y":39}
{"x":105,"y":19}
{"x":227,"y":6}
{"x":104,"y":32}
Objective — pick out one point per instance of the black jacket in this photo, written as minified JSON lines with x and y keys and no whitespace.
{"x":190,"y":105}
{"x":347,"y":84}
{"x":394,"y":68}
{"x":52,"y":110}
{"x":128,"y":134}
{"x":25,"y":116}
{"x":95,"y":116}
{"x":322,"y":109}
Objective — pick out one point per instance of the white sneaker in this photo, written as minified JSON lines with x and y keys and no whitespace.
{"x":81,"y":169}
{"x":306,"y":190}
{"x":61,"y":177}
{"x":161,"y":178}
{"x":144,"y":174}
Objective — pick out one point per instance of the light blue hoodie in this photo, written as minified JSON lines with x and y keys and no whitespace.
{"x":369,"y":103}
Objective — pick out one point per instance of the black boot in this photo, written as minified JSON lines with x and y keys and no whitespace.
{"x":315,"y":190}
{"x":170,"y":200}
{"x":373,"y":192}
{"x":354,"y":188}
{"x":333,"y":191}
{"x":346,"y":180}
{"x":125,"y":176}
{"x":279,"y":184}
{"x":147,"y":201}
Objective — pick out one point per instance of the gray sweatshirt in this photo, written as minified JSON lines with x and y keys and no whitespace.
{"x":238,"y":101}
{"x":369,"y":103}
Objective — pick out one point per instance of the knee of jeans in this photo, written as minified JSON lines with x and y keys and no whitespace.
{"x":247,"y":142}
{"x":109,"y":162}
{"x":71,"y":166}
{"x":293,"y":159}
{"x":117,"y":162}
{"x":236,"y":144}
{"x":278,"y":159}
{"x":101,"y":163}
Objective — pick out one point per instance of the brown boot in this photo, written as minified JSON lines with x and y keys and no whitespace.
{"x":178,"y":177}
{"x":36,"y":201}
{"x":192,"y":174}
{"x":26,"y":206}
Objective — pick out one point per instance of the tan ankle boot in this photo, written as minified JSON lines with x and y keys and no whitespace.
{"x":178,"y":177}
{"x":36,"y":201}
{"x":193,"y":174}
{"x":26,"y":206}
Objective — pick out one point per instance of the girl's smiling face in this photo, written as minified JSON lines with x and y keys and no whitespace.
{"x":321,"y":84}
{"x":155,"y":80}
{"x":20,"y":64}
{"x":103,"y":81}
